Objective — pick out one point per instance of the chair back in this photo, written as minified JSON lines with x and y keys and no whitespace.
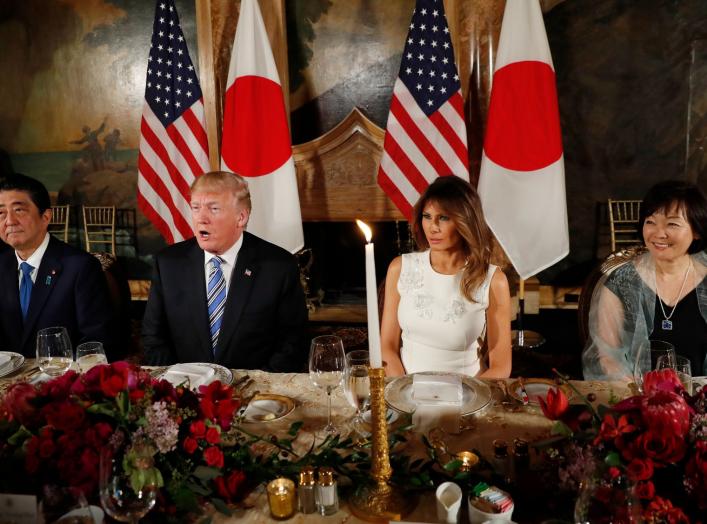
{"x":59,"y":224}
{"x":99,"y":228}
{"x":623,"y":223}
{"x":611,"y":263}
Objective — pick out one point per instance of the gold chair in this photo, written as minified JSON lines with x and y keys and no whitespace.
{"x":612,"y":262}
{"x":99,"y":228}
{"x":59,"y":224}
{"x":623,"y":222}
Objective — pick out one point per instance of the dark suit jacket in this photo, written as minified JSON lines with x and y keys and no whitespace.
{"x":264,"y":317}
{"x":70,"y":291}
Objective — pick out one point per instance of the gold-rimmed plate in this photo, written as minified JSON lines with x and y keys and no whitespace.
{"x":268,"y":407}
{"x":535,"y":388}
{"x":11,"y":362}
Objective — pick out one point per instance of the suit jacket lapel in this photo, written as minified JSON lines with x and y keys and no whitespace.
{"x":48,"y":273}
{"x":239,"y":289}
{"x":195,"y":287}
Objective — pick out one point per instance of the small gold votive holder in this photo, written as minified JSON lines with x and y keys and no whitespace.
{"x":281,"y":498}
{"x":469,"y":460}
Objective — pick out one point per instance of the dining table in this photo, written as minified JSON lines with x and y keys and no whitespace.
{"x":504,"y":417}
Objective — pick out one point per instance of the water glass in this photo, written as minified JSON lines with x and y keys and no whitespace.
{"x":356,"y":382}
{"x":682,"y":368}
{"x":327,"y":363}
{"x":647,"y":358}
{"x":90,"y":354}
{"x":54,"y":355}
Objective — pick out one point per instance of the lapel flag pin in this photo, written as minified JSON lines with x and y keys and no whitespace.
{"x":48,"y":280}
{"x":247,"y":272}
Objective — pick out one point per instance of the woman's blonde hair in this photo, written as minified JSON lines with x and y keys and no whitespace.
{"x":459,"y":200}
{"x":223,"y":181}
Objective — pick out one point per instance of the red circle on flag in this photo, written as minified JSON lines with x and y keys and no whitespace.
{"x":256,"y":139}
{"x":523,"y":129}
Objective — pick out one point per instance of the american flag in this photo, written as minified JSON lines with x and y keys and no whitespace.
{"x":173,"y":144}
{"x":426,"y":134}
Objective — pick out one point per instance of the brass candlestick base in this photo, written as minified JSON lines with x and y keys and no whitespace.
{"x":380,"y":502}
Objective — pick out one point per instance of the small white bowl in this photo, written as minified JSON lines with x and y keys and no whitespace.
{"x":476,"y":516}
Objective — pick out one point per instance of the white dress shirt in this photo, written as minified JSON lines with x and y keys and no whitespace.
{"x":229,"y":262}
{"x":34,"y":260}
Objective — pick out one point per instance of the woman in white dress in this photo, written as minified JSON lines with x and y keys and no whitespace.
{"x":442,"y":302}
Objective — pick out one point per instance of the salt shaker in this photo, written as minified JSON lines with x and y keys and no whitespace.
{"x":305,"y":490}
{"x":326,"y":496}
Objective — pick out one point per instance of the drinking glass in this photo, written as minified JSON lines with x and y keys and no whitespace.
{"x":54,"y":355}
{"x":356,"y":382}
{"x":90,"y":354}
{"x":647,"y":358}
{"x":118,"y":497}
{"x":606,"y":500}
{"x":327,"y":363}
{"x":682,"y":368}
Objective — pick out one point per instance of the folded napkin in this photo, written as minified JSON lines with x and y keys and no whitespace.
{"x":429,"y":416}
{"x":437,"y":388}
{"x":192,"y":375}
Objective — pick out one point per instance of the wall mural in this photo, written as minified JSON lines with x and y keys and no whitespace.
{"x":71,"y":98}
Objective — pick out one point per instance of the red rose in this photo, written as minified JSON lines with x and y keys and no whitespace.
{"x":639,"y":469}
{"x":645,"y":490}
{"x":46,"y":448}
{"x":18,"y":402}
{"x":228,"y":488}
{"x":213,"y":457}
{"x":666,"y":412}
{"x":555,"y":404}
{"x":614,"y":472}
{"x":213,"y":436}
{"x":198,"y":429}
{"x":190,"y":445}
{"x":117,"y":377}
{"x":661,"y":447}
{"x":64,"y":416}
{"x":59,"y":388}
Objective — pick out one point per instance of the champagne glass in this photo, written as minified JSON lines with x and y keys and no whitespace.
{"x":357,"y":383}
{"x":327,"y":363}
{"x":682,"y":368}
{"x":120,"y":465}
{"x":647,"y":358}
{"x":54,"y":355}
{"x":90,"y":354}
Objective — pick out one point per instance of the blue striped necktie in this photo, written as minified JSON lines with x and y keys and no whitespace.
{"x":25,"y":287}
{"x":215,"y":299}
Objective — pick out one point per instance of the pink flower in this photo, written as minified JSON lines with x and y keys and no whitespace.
{"x":661,"y":380}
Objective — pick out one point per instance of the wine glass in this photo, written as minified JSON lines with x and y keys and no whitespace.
{"x":119,"y":464}
{"x":357,"y":383}
{"x":54,"y":355}
{"x":647,"y":358}
{"x":682,"y":367}
{"x":90,"y":354}
{"x":605,"y":500}
{"x":327,"y":363}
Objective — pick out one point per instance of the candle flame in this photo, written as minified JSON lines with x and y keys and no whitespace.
{"x":365,"y":229}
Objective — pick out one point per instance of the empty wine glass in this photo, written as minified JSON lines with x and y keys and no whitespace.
{"x":327,"y":363}
{"x":357,"y":383}
{"x":647,"y":358}
{"x":120,"y":464}
{"x":90,"y":354}
{"x":54,"y":355}
{"x":682,"y":367}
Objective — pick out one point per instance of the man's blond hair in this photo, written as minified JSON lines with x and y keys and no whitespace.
{"x":222,"y":181}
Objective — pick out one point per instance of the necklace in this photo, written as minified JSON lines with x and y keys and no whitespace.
{"x":666,"y":324}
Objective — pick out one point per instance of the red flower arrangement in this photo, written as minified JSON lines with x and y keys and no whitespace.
{"x":657,"y":440}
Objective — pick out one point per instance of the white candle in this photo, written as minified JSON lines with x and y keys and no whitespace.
{"x":374,"y":336}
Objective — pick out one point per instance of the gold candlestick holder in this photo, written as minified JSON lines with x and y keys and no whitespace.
{"x":380,"y":502}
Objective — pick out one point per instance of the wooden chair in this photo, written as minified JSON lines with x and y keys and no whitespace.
{"x":611,"y":263}
{"x":59,"y":224}
{"x":99,"y":228}
{"x":623,"y":223}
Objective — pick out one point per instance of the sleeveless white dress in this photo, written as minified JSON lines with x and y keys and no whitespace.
{"x":440,"y":328}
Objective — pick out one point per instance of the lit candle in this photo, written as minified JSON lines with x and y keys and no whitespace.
{"x":281,"y":497}
{"x":374,"y":336}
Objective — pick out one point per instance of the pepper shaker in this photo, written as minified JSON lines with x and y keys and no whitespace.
{"x":305,"y":490}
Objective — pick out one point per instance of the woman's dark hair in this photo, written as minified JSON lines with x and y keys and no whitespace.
{"x":686,"y":197}
{"x":36,"y":190}
{"x":461,"y":202}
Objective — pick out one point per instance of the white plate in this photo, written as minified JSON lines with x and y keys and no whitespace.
{"x":475,"y":394}
{"x":698,"y":382}
{"x":536,"y":388}
{"x":391,"y":416}
{"x":221,"y":373}
{"x":268,"y":407}
{"x":15,"y":362}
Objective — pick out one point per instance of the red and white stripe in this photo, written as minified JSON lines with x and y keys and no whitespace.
{"x":419,"y":148}
{"x":169,"y":161}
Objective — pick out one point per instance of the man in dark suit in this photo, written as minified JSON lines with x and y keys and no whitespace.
{"x":43,"y":281}
{"x":225,"y":296}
